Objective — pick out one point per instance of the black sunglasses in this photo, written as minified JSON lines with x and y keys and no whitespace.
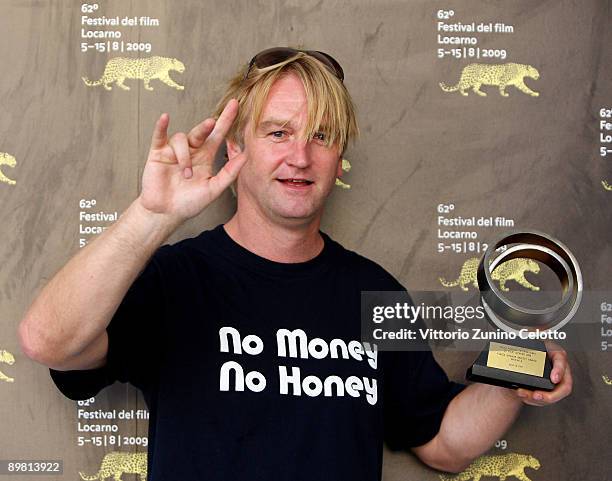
{"x":272,"y":56}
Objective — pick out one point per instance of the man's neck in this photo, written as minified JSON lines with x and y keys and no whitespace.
{"x":275,"y":241}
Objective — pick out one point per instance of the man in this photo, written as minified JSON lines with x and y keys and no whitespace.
{"x":244,"y":340}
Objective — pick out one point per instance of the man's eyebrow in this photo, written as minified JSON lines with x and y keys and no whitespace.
{"x":274,"y":123}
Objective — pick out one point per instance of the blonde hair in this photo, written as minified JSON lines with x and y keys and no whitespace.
{"x":330,"y":108}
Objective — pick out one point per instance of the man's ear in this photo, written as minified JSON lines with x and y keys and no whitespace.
{"x":339,"y":171}
{"x":233,"y":149}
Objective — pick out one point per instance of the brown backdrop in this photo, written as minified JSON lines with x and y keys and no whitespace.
{"x":535,"y":160}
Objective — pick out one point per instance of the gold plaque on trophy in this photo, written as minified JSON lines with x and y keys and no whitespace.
{"x":516,"y":358}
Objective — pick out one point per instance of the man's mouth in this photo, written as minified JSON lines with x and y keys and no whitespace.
{"x":295,"y":182}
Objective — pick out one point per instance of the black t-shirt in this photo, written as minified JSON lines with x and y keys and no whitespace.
{"x":253,"y":369}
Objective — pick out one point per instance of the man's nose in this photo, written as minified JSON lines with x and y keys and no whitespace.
{"x":300,"y":154}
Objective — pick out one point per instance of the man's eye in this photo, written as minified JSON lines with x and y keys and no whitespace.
{"x":278,"y":134}
{"x":319,"y":136}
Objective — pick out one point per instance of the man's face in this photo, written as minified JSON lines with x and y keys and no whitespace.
{"x":286,"y":176}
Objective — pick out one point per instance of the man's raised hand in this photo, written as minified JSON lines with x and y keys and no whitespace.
{"x":178,"y":176}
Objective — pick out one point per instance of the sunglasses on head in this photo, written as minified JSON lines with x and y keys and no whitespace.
{"x":273,"y":56}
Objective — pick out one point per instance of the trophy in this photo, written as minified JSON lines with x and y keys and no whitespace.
{"x":522,"y":361}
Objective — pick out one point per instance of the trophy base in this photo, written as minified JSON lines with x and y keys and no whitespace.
{"x":517,"y":358}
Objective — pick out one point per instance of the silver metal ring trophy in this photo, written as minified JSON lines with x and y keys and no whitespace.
{"x":523,"y":363}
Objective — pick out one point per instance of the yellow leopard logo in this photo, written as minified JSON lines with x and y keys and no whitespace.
{"x":146,"y":69}
{"x":500,"y":466}
{"x":6,"y":358}
{"x":7,"y":159}
{"x":116,"y":463}
{"x":606,"y":185}
{"x":607,"y":380}
{"x":514,"y":270}
{"x":474,"y":75}
{"x":346,"y":166}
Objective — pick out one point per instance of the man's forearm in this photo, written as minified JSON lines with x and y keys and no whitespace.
{"x":78,"y":303}
{"x":474,"y":420}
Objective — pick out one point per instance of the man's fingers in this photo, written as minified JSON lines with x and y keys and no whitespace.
{"x":559,"y":359}
{"x":223,"y":124}
{"x":160,"y":132}
{"x":542,"y":398}
{"x":563,"y":389}
{"x":179,"y":145}
{"x":207,"y":132}
{"x":560,"y":365}
{"x":227,"y":174}
{"x":200,"y":133}
{"x":532,"y":398}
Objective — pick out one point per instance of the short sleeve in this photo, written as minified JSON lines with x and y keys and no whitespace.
{"x":416,"y":394}
{"x":134,"y":339}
